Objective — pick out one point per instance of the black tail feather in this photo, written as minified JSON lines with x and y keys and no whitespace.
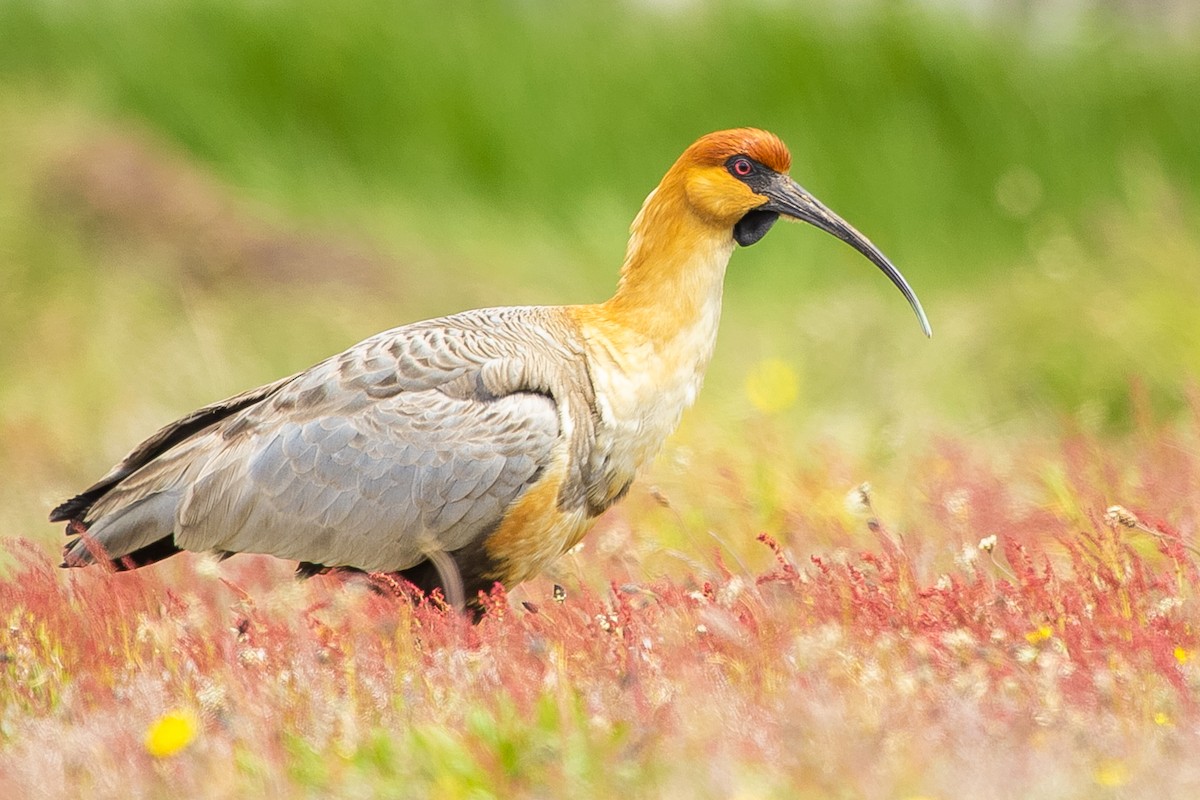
{"x":75,"y":508}
{"x":155,"y":551}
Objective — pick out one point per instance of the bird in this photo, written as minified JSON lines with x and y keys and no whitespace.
{"x":473,"y":449}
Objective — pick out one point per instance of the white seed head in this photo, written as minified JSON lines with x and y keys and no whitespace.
{"x":208,"y":565}
{"x":1120,"y":515}
{"x":858,"y":500}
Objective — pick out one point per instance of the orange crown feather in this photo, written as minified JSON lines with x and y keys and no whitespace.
{"x":763,"y":146}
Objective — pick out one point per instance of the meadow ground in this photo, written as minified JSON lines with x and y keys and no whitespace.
{"x":868,"y":565}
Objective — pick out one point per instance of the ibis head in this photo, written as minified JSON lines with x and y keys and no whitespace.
{"x":739,"y":179}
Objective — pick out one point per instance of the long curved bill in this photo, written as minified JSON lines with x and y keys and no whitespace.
{"x":789,"y":199}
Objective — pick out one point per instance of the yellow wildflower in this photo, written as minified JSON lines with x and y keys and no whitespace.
{"x":170,"y":733}
{"x":1039,"y":634}
{"x":773,"y":385}
{"x":1111,"y":773}
{"x":1183,"y":655}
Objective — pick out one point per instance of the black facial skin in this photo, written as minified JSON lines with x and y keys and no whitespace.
{"x":755,"y":224}
{"x":752,"y":227}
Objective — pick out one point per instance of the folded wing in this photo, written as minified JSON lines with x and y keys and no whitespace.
{"x":416,"y":440}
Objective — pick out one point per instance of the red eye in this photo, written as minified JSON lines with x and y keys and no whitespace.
{"x":742,"y":167}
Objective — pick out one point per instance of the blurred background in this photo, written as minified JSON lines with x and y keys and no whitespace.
{"x":199,"y":196}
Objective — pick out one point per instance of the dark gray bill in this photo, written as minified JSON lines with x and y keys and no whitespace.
{"x":789,"y":199}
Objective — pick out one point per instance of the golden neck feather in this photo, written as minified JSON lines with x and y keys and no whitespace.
{"x":674,"y":265}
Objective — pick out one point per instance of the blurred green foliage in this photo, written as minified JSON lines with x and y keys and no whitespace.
{"x":951,"y":138}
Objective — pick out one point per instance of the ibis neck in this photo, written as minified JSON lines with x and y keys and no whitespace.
{"x":673,"y":275}
{"x":650,"y":344}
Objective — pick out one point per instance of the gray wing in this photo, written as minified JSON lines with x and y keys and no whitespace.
{"x":416,"y":439}
{"x":374,"y":489}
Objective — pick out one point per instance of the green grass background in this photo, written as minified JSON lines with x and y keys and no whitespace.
{"x":544,"y":115}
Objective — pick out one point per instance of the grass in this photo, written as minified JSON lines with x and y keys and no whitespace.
{"x":1060,"y":663}
{"x":198,"y":197}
